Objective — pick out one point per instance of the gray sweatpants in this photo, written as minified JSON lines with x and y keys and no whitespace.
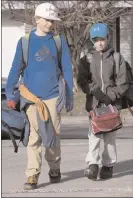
{"x":109,"y":155}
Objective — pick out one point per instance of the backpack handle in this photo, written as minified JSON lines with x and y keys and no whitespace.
{"x":11,"y":136}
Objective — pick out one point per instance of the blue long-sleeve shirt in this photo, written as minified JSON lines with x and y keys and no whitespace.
{"x":41,"y":73}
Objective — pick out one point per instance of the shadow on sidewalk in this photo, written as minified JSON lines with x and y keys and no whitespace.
{"x":121,"y":169}
{"x":72,"y":175}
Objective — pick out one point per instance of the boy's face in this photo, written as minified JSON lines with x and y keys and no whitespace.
{"x":100,"y":44}
{"x":45,"y":25}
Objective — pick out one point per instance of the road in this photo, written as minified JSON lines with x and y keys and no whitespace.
{"x":77,"y":127}
{"x":73,"y":183}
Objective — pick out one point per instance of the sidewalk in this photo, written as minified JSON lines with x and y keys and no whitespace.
{"x":73,"y":183}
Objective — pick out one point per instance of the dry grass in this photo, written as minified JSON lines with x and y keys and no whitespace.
{"x":79,"y":106}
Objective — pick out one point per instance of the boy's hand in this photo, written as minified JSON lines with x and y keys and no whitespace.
{"x":11,"y":104}
{"x":100,"y":96}
{"x":106,"y":100}
{"x":69,"y":104}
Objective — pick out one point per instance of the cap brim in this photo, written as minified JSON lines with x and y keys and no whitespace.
{"x":53,"y":18}
{"x":99,"y":36}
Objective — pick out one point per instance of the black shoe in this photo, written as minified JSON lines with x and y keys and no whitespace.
{"x":54,"y":176}
{"x":92,"y":171}
{"x":31,"y":183}
{"x":106,"y":172}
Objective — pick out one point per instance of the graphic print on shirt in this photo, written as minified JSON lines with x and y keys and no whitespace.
{"x":43,"y":54}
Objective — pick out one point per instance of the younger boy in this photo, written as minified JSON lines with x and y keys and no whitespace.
{"x":102,"y":86}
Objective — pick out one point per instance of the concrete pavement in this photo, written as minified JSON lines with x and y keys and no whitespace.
{"x":73,"y":183}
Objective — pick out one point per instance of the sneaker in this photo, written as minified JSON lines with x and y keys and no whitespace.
{"x":31,"y":183}
{"x":92,"y":171}
{"x":54,"y":175}
{"x":106,"y":172}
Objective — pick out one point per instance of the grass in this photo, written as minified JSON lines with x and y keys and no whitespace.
{"x":79,"y":105}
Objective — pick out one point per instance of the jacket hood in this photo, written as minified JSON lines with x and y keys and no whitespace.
{"x":106,"y":53}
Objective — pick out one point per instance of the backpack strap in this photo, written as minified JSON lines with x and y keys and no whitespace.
{"x":85,"y":53}
{"x":25,"y":51}
{"x":116,"y":56}
{"x":25,"y":47}
{"x":131,"y":111}
{"x":89,"y":57}
{"x":11,"y":136}
{"x":57,"y":40}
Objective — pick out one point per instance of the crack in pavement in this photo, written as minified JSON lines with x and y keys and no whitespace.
{"x":69,"y":190}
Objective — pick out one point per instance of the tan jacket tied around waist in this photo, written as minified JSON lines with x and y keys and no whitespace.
{"x":40,"y":105}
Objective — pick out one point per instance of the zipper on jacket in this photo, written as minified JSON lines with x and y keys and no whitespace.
{"x":102,"y":73}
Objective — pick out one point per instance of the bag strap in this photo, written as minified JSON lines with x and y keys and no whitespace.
{"x":57,"y":40}
{"x":116,"y":56}
{"x":11,"y":136}
{"x":131,"y":111}
{"x":25,"y":47}
{"x":129,"y":108}
{"x":25,"y":50}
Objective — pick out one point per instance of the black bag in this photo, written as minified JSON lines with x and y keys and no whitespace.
{"x":127,"y":99}
{"x":13,"y":122}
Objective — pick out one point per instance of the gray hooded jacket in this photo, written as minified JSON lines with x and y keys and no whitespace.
{"x":101,"y":72}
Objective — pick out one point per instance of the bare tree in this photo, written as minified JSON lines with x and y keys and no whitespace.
{"x":77,"y":18}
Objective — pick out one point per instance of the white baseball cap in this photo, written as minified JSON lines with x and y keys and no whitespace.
{"x":47,"y":11}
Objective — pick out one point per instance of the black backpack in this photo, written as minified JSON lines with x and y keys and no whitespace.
{"x":127,"y":99}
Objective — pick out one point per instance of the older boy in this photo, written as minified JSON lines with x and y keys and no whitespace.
{"x":42,"y":80}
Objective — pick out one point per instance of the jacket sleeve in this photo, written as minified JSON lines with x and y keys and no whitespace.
{"x":84,"y":79}
{"x":15,"y":72}
{"x":67,"y":66}
{"x":121,"y":82}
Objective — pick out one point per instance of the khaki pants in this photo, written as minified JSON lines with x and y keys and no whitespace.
{"x":34,"y":149}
